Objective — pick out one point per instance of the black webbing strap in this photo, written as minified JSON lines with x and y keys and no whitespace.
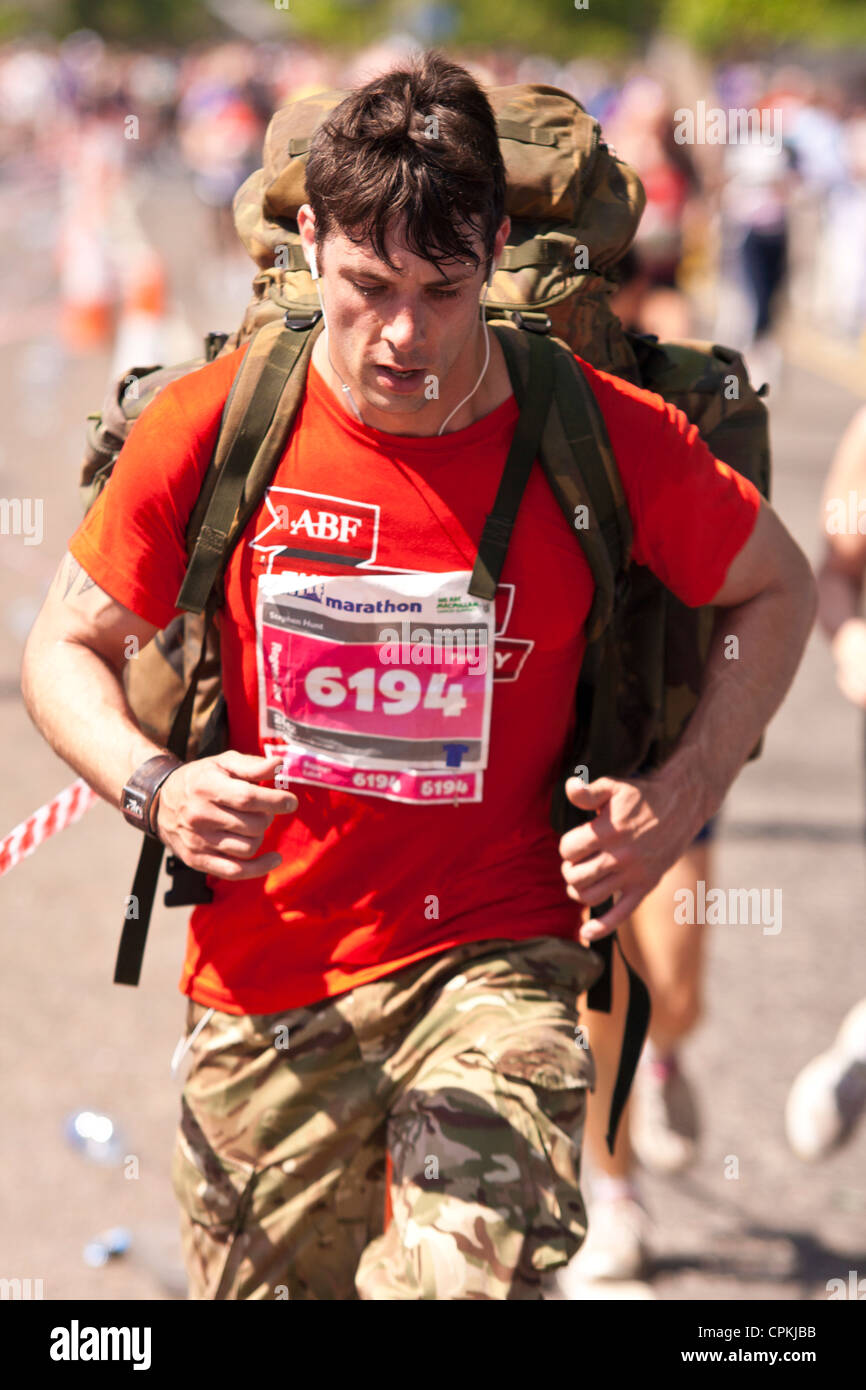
{"x":636,"y":1021}
{"x":534,"y":404}
{"x":211,"y":543}
{"x":525,"y":444}
{"x":133,"y":936}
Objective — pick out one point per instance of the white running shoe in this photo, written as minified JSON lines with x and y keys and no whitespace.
{"x":663,"y":1118}
{"x":616,"y":1245}
{"x":828,"y":1096}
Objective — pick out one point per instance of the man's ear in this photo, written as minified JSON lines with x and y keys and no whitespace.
{"x":501,"y":238}
{"x":307,"y":230}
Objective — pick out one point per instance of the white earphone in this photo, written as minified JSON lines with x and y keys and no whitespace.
{"x":486,"y":359}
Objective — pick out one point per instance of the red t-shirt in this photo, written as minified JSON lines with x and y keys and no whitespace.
{"x":368,"y":885}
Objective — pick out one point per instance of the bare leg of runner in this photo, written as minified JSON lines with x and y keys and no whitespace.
{"x":605,"y":1040}
{"x":616,"y":1246}
{"x":669,"y":957}
{"x":672,"y":953}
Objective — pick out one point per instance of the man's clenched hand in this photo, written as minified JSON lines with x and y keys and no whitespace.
{"x":212,"y":814}
{"x":642,"y":826}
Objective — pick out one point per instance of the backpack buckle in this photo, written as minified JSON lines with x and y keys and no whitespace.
{"x":214,"y":344}
{"x":533,"y":320}
{"x":189,"y":886}
{"x":300,"y":324}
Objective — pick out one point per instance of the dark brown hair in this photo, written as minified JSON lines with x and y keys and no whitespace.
{"x":416,"y":145}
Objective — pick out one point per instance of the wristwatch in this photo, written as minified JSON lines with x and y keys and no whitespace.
{"x":139,"y":794}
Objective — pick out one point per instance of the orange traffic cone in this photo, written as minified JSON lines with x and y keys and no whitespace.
{"x":141,"y":327}
{"x":86,"y":311}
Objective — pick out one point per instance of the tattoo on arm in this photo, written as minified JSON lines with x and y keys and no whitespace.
{"x":72,"y":572}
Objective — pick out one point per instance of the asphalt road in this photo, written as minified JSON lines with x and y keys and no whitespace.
{"x":74,"y":1040}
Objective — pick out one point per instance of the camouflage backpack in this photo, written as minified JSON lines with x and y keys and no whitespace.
{"x":575,"y":208}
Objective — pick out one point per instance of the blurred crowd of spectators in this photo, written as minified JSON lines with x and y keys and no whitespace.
{"x":727,"y":226}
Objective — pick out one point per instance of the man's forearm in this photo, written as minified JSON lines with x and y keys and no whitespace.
{"x":77,"y":702}
{"x":741,"y":692}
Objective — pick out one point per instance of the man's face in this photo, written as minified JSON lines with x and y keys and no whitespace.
{"x":405,"y":341}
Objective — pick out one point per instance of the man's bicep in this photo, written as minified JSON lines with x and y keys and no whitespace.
{"x":769,"y":558}
{"x":77,"y":610}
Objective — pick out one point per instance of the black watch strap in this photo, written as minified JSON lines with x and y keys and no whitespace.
{"x":137,"y":797}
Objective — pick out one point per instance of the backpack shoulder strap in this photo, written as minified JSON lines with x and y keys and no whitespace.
{"x":257,"y":417}
{"x":578,"y":459}
{"x":535,"y":403}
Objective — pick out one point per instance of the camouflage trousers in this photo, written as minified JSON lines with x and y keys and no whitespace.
{"x":468,"y":1069}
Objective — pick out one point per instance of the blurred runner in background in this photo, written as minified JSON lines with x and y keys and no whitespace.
{"x":641,"y":129}
{"x":660,"y":1125}
{"x":755,"y":201}
{"x":828,"y":1096}
{"x":221,"y":124}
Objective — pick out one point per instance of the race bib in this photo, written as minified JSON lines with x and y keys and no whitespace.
{"x":380,"y":685}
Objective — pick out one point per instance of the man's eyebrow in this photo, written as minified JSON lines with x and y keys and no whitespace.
{"x":385,"y":280}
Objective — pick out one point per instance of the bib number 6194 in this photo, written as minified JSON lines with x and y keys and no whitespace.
{"x":398,"y":692}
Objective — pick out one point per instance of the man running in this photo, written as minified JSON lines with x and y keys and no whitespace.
{"x":378,"y":976}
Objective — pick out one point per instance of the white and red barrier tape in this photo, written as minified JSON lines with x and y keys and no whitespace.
{"x":62,"y":810}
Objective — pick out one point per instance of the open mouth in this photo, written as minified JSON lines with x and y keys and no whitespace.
{"x":401,"y":378}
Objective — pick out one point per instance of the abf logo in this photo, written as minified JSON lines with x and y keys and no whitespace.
{"x":313,"y":526}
